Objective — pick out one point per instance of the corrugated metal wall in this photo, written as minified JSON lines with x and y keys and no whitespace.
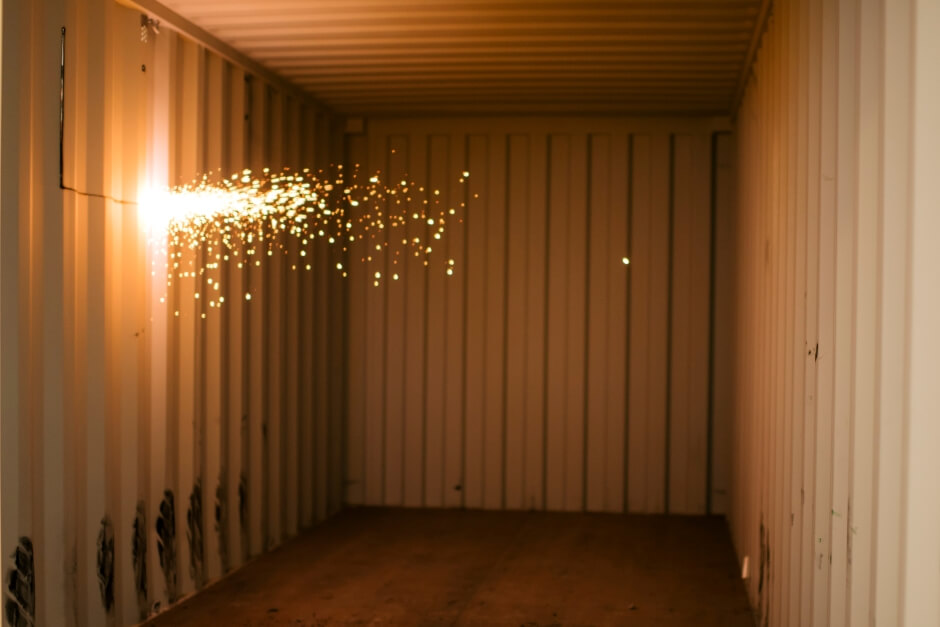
{"x":145,"y":454}
{"x":833,"y":371}
{"x":473,"y":57}
{"x":545,"y":373}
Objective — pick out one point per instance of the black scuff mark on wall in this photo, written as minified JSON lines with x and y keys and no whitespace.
{"x":850,"y":534}
{"x":20,"y":605}
{"x":106,"y":564}
{"x":243,"y":512}
{"x":194,"y":535}
{"x":760,"y":576}
{"x":763,"y":601}
{"x":139,"y":555}
{"x":221,"y":522}
{"x":166,"y":543}
{"x":767,"y":570}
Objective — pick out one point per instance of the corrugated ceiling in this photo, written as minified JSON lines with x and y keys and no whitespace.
{"x":365,"y":56}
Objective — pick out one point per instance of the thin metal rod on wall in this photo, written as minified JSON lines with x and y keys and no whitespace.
{"x":61,"y":108}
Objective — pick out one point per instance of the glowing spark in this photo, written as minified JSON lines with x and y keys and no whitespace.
{"x":243,"y":215}
{"x":626,"y":261}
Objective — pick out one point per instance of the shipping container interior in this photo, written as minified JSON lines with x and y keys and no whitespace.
{"x":470,"y":312}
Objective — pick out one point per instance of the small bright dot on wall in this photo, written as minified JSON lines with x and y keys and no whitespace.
{"x":626,"y":261}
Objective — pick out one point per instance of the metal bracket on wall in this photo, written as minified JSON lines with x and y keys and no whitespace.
{"x":148,"y":25}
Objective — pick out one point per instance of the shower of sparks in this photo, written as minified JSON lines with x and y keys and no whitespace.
{"x":246,"y":219}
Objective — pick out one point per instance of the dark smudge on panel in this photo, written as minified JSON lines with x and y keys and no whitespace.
{"x":194,"y":535}
{"x":20,"y":606}
{"x":221,"y":522}
{"x":106,"y":563}
{"x":166,"y":543}
{"x":139,"y":556}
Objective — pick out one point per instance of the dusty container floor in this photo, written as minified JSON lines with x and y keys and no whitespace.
{"x":448,"y":567}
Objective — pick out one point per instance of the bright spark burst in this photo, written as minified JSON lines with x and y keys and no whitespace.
{"x":250,"y":219}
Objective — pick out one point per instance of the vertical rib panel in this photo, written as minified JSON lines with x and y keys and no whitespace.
{"x":475,"y":332}
{"x":494,"y":360}
{"x":455,"y":293}
{"x":395,"y":355}
{"x":410,"y":272}
{"x":357,"y":425}
{"x":599,"y":266}
{"x":517,"y":278}
{"x":535,"y":242}
{"x":439,"y":181}
{"x":557,"y":320}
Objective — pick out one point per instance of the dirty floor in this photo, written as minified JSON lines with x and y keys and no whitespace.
{"x":449,"y":567}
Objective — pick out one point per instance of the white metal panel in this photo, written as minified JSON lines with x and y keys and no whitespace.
{"x":840,"y":527}
{"x":921,"y":574}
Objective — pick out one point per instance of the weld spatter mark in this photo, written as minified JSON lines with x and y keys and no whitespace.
{"x":106,"y":564}
{"x":20,"y":606}
{"x":194,"y":535}
{"x":221,"y":522}
{"x":139,"y":554}
{"x":166,"y":543}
